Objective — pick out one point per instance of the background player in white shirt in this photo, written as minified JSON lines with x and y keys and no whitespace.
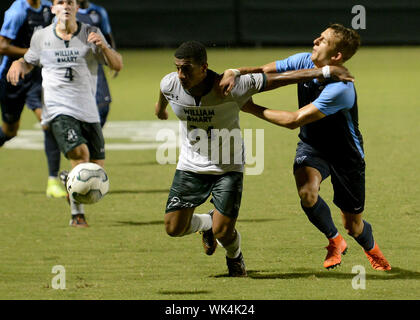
{"x":69,"y":52}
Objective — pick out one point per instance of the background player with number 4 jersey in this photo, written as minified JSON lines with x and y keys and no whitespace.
{"x":96,"y":16}
{"x":68,"y":53}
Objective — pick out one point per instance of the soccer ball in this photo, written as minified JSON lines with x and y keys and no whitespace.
{"x":87,"y":183}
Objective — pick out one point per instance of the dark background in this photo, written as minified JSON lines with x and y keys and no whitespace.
{"x":167,"y":23}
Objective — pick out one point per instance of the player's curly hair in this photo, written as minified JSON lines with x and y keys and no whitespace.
{"x":349,"y":40}
{"x":192,"y":50}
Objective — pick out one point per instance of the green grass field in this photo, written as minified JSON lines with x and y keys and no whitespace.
{"x":126,"y":254}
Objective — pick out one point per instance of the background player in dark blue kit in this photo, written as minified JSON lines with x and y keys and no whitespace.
{"x":97,"y":16}
{"x":20,"y":21}
{"x":331,"y":143}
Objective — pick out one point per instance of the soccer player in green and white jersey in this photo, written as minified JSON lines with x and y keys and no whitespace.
{"x":209,"y":120}
{"x":69,"y":52}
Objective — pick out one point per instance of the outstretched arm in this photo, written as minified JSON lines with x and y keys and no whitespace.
{"x":287,"y":119}
{"x":229,"y":76}
{"x":276,"y":80}
{"x":18,"y":70}
{"x":267,"y":68}
{"x":160,"y":107}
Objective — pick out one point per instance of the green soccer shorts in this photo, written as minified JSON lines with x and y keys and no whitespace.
{"x":70,"y":133}
{"x":190,"y":190}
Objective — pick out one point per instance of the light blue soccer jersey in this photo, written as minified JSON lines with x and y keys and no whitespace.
{"x":20,"y":22}
{"x":338,"y":132}
{"x":334,"y":97}
{"x":98,"y":16}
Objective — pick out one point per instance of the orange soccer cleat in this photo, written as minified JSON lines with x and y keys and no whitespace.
{"x":377,"y":259}
{"x":336,"y":248}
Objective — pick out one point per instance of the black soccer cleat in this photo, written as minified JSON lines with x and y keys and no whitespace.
{"x":236,"y":266}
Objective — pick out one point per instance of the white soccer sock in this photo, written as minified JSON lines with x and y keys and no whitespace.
{"x":200,"y":222}
{"x":233,"y":249}
{"x":76,"y":207}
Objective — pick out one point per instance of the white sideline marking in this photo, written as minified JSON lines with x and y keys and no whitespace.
{"x":140,"y":135}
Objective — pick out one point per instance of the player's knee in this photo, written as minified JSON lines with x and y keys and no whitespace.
{"x":80,"y":153}
{"x":308,"y":195}
{"x":223,"y":237}
{"x":353,"y":228}
{"x":173,"y":228}
{"x":98,"y":162}
{"x":223,"y":234}
{"x":351,"y":231}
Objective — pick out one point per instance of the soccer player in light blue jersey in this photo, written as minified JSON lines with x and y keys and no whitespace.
{"x":330,"y":142}
{"x":20,"y":21}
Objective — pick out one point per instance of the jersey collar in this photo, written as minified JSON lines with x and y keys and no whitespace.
{"x":79,"y":27}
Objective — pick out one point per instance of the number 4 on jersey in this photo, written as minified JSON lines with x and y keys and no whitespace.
{"x":69,"y":74}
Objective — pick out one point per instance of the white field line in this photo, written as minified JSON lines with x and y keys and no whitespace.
{"x":140,"y":135}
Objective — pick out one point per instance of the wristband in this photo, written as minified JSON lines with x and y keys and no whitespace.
{"x":326,"y":72}
{"x":236,"y":72}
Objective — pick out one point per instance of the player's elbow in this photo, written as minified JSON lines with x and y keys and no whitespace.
{"x":115,"y":61}
{"x":285,"y":119}
{"x":288,"y":125}
{"x":294,"y":120}
{"x":118,"y":66}
{"x":292,"y":124}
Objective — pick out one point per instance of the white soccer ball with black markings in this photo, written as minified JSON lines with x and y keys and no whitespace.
{"x":87,"y":183}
